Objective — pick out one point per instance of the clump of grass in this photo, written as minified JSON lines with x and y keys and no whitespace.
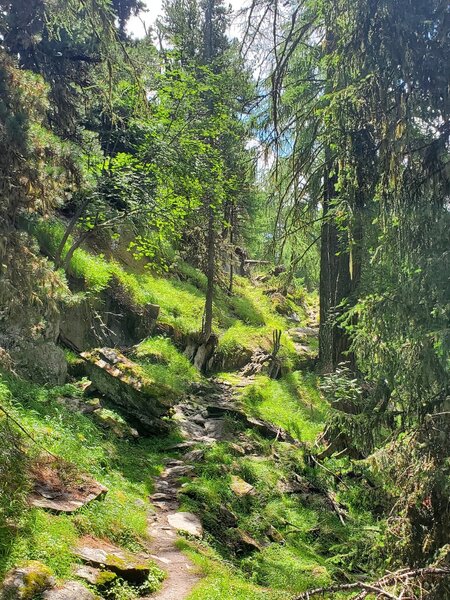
{"x":288,"y":568}
{"x":220,"y":581}
{"x":163,"y":362}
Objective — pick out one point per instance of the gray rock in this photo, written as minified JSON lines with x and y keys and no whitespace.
{"x":186,"y":521}
{"x":178,"y":471}
{"x":194,"y":455}
{"x":72,"y":590}
{"x":42,"y":362}
{"x":97,"y":553}
{"x":26,"y":582}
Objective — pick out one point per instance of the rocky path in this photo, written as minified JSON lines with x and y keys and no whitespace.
{"x":197,"y":424}
{"x":164,"y":522}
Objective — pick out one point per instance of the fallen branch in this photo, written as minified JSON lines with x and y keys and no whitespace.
{"x":399,"y":577}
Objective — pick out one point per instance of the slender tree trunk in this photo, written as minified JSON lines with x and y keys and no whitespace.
{"x":208,"y":52}
{"x":68,"y":232}
{"x":230,"y":285}
{"x":210,"y":273}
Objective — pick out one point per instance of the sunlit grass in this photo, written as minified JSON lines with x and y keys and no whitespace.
{"x":293,"y":402}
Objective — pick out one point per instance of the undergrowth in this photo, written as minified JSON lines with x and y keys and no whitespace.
{"x":245,"y":320}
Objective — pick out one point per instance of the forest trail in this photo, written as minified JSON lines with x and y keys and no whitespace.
{"x":198,"y":423}
{"x":181,"y":573}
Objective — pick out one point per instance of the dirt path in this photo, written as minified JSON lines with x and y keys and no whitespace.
{"x":181,"y":573}
{"x":201,"y":417}
{"x":196,"y":425}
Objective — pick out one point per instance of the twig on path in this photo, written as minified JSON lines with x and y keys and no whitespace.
{"x":405,"y":577}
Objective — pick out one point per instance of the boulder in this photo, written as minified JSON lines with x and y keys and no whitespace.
{"x":72,"y":590}
{"x":240,"y":487}
{"x":26,"y":582}
{"x":41,"y":362}
{"x":134,"y":568}
{"x":187,"y":522}
{"x":128,"y":386}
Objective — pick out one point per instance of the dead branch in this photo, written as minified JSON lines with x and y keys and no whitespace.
{"x":402,"y":577}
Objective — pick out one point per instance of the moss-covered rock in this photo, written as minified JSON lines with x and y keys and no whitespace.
{"x":26,"y":582}
{"x":127,"y":385}
{"x":134,"y":568}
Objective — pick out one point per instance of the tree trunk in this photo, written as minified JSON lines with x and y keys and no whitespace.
{"x":230,"y":285}
{"x":210,"y":273}
{"x":335,"y":276}
{"x":208,"y":52}
{"x":68,"y":232}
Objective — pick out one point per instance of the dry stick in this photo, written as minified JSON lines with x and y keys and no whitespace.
{"x":22,"y":428}
{"x":390,"y":579}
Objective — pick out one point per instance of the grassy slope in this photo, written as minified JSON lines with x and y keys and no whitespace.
{"x":125,"y":467}
{"x":316,"y":547}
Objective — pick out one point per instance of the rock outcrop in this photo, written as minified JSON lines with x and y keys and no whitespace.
{"x":127,"y":385}
{"x":111,"y":318}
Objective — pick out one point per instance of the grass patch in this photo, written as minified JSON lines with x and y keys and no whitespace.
{"x":163,"y":362}
{"x":221,"y":581}
{"x":293,"y":402}
{"x":125,"y":467}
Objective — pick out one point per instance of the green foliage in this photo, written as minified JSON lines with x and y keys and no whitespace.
{"x":221,"y":581}
{"x":122,"y":590}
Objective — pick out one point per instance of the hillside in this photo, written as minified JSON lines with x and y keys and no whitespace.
{"x":285,"y":524}
{"x":224,"y":300}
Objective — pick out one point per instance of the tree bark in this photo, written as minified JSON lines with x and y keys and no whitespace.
{"x":335,"y":274}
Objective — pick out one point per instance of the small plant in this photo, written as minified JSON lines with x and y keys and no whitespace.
{"x":13,"y":475}
{"x":340,"y":387}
